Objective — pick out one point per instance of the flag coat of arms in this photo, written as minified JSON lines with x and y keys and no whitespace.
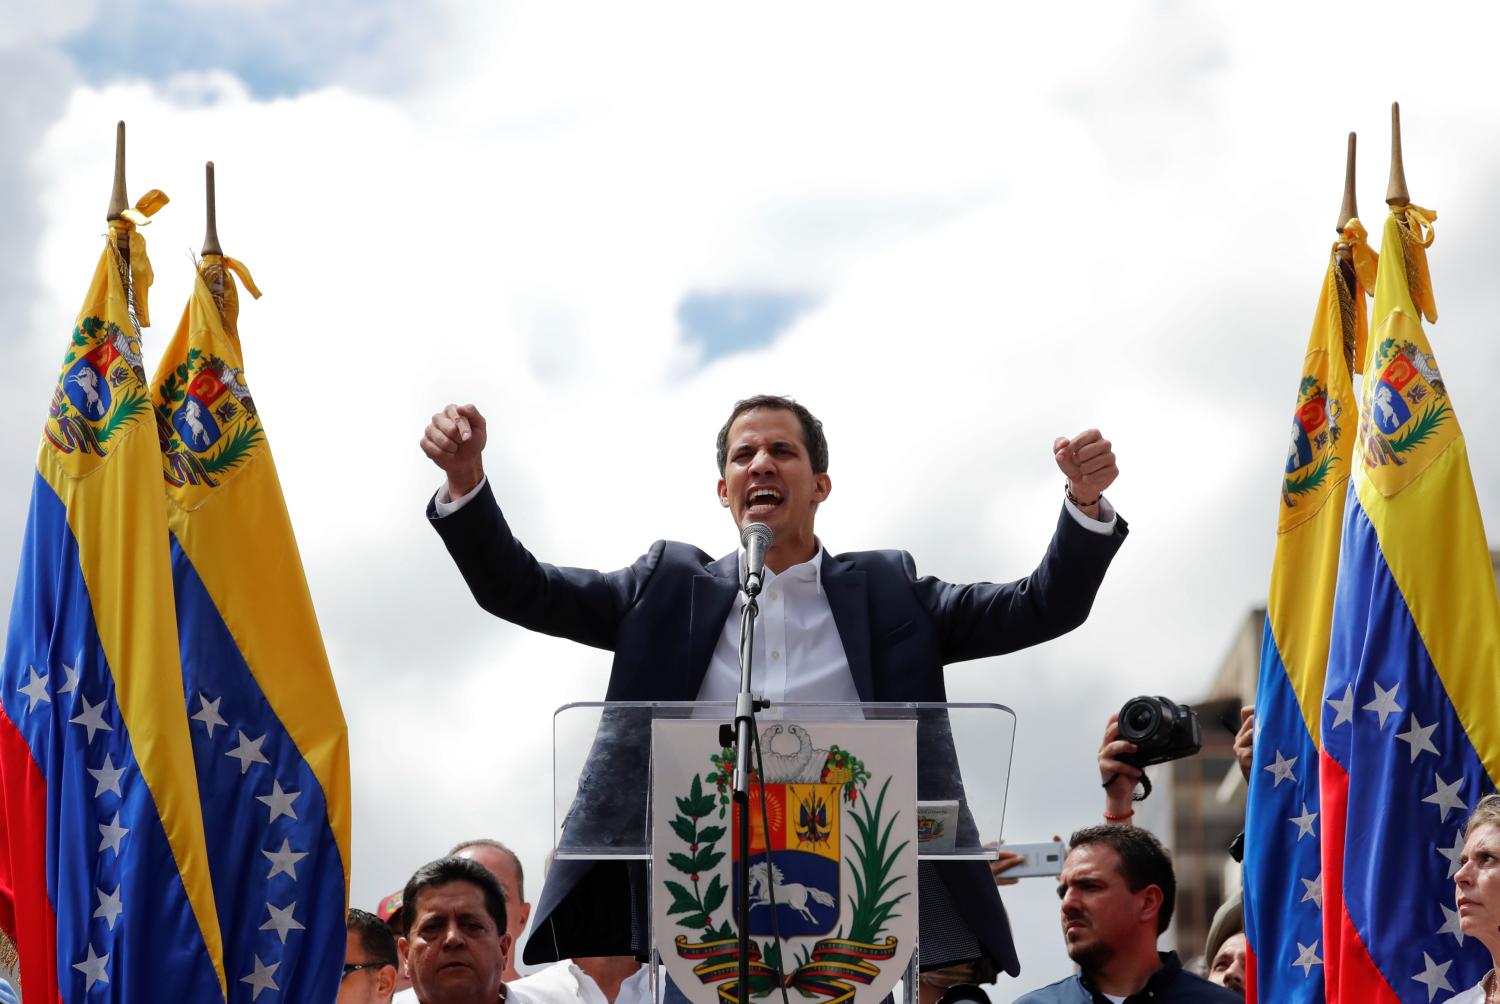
{"x":832,"y":890}
{"x":104,"y":878}
{"x":269,"y":740}
{"x":1409,"y":732}
{"x":1283,"y":865}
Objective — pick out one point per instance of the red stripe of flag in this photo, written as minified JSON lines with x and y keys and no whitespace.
{"x":1349,"y":973}
{"x":23,"y":865}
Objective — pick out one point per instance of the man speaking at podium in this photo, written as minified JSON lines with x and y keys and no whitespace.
{"x":860,"y":626}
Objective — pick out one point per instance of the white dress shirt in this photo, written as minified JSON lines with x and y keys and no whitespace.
{"x":798,"y":654}
{"x":564,"y":983}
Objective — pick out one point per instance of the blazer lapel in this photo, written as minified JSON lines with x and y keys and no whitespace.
{"x":847,"y":597}
{"x":713,"y":597}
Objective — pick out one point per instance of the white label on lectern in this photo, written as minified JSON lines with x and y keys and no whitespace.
{"x":832,"y":823}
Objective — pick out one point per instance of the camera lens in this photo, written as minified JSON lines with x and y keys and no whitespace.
{"x":1139,"y":719}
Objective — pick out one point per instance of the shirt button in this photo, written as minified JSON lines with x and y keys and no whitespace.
{"x":775,"y":595}
{"x":775,"y":654}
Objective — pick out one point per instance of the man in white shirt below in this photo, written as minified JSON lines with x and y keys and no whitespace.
{"x":856,"y":626}
{"x":501,"y":862}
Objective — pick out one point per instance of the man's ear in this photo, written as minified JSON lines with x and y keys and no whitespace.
{"x":385,"y":981}
{"x":1151,"y":902}
{"x":525,"y":911}
{"x":822,"y":485}
{"x":723,"y":494}
{"x":505,"y":945}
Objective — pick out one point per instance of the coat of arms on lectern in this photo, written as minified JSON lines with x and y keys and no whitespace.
{"x":832,"y":888}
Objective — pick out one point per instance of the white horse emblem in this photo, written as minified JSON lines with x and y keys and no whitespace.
{"x":794,"y":894}
{"x":190,"y":415}
{"x":88,"y":381}
{"x":1389,"y":419}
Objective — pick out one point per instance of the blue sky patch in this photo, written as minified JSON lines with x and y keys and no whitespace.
{"x":724,"y":323}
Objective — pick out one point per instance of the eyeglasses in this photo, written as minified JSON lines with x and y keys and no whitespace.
{"x":354,"y":967}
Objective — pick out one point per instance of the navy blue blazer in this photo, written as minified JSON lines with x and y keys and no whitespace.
{"x":662,"y":617}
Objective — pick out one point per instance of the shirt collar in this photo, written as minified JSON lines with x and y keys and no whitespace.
{"x":1171,"y":965}
{"x":810,"y":570}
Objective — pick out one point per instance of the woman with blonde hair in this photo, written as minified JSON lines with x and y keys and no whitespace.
{"x":1477,"y":891}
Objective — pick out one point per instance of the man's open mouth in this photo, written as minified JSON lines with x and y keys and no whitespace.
{"x":763,"y":500}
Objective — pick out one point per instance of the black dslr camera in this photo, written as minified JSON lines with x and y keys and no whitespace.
{"x":1160,"y":729}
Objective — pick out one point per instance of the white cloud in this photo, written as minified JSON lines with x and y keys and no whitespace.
{"x":1019,"y":224}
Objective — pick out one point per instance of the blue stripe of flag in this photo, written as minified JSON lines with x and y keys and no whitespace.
{"x":302,"y":900}
{"x":1283,"y":868}
{"x":150,"y":948}
{"x":1414,"y":775}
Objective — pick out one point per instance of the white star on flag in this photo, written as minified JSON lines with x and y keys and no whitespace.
{"x":282,"y":921}
{"x":111,"y":833}
{"x":91,"y":718}
{"x":1344,"y":706}
{"x":1308,"y":958}
{"x":248,"y":752}
{"x":279,"y":802}
{"x":1453,"y":853}
{"x":108,"y":777}
{"x":1304,"y":823}
{"x":1446,"y":796}
{"x":1385,"y":704}
{"x":1281,"y":769}
{"x":36,"y":690}
{"x":261,"y":977}
{"x":1312,"y":890}
{"x":284,"y":860}
{"x":1450,"y":924}
{"x":1434,"y":977}
{"x":1419,"y":738}
{"x":208,"y":714}
{"x":70,"y":681}
{"x":109,"y":906}
{"x":93,"y":969}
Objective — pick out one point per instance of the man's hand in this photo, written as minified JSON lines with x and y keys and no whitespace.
{"x":1244,"y":740}
{"x":1119,"y":778}
{"x":1004,"y":863}
{"x":454,"y":440}
{"x":1088,"y":462}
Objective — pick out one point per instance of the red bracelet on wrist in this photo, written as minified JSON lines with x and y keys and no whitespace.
{"x":1110,"y":817}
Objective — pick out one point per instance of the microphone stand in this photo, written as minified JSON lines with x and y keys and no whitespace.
{"x":744,"y":716}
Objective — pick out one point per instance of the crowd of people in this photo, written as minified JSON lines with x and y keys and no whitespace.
{"x":452,"y":934}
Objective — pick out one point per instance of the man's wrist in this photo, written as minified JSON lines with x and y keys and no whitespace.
{"x":1074,"y":497}
{"x":461,"y":483}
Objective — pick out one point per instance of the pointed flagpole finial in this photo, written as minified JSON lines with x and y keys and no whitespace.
{"x":1349,"y":210}
{"x":118,"y":203}
{"x":211,"y":235}
{"x":1396,"y":195}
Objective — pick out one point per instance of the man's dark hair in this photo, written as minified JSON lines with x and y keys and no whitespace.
{"x":374,"y":937}
{"x":1143,"y":861}
{"x":451,"y":869}
{"x":812,"y":429}
{"x":496,"y":846}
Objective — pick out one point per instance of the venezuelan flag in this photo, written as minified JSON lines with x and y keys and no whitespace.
{"x":1283,"y":903}
{"x":268,"y":735}
{"x":1410,"y":735}
{"x":102,"y":848}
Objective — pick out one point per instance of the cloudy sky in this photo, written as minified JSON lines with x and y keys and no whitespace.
{"x":954,"y":230}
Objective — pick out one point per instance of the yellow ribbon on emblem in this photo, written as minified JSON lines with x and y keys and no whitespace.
{"x":1366,"y":263}
{"x":1417,"y":232}
{"x":216,"y":266}
{"x":141,"y":275}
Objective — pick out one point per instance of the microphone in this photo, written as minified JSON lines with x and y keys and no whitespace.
{"x":756,"y":539}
